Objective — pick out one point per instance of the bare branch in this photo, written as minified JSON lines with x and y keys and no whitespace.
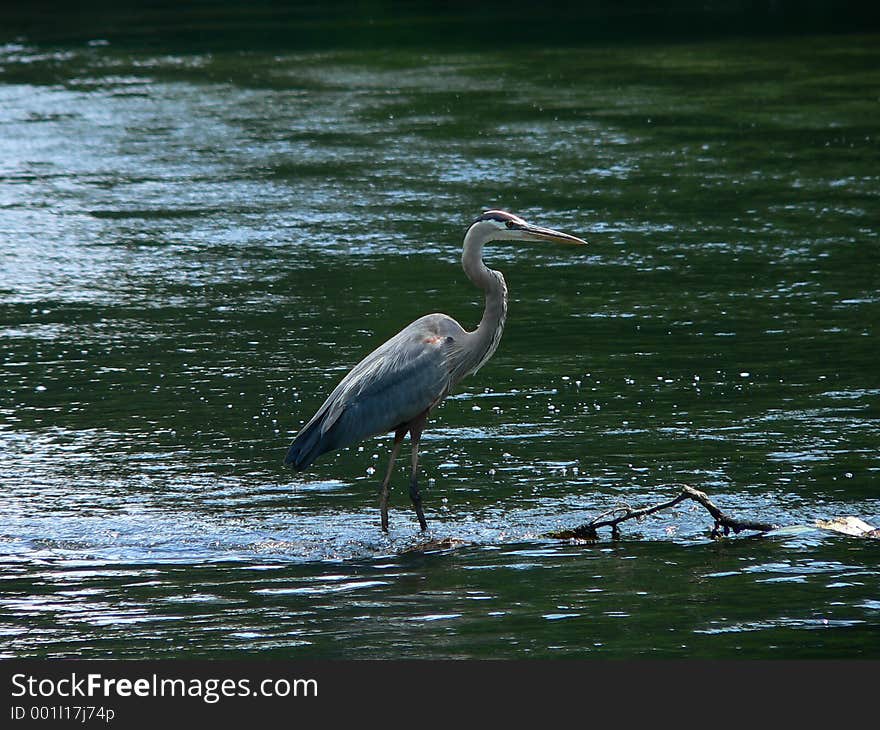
{"x":724,"y":523}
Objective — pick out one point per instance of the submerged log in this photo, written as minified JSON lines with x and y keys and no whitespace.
{"x":434,"y":545}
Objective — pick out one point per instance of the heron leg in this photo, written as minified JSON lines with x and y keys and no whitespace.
{"x":383,"y":494}
{"x":415,"y":433}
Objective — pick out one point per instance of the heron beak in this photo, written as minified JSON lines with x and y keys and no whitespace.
{"x":536,"y":233}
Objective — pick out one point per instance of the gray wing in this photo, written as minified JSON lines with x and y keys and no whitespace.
{"x":399,"y":380}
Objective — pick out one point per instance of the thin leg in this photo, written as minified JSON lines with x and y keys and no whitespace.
{"x":383,"y":494}
{"x":415,"y":434}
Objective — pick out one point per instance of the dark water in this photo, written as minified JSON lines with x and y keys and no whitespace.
{"x":196,"y":247}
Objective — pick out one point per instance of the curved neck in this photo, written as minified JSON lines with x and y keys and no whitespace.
{"x":488,"y":332}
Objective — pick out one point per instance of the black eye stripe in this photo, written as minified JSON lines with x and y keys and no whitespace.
{"x":493,"y":216}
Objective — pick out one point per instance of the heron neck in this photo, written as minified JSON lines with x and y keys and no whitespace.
{"x":488,"y":333}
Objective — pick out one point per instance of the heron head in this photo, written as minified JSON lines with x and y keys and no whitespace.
{"x":499,"y":225}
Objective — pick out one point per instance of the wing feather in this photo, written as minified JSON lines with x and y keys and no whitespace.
{"x":399,"y":380}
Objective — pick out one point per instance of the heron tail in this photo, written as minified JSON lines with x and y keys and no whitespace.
{"x":309,"y":444}
{"x":303,"y":451}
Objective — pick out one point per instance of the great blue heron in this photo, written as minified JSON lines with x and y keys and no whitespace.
{"x":396,"y":386}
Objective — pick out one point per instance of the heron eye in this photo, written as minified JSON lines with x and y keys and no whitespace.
{"x":510,"y":224}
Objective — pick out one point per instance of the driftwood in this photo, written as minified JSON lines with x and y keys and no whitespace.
{"x":852,"y":526}
{"x":724,"y":523}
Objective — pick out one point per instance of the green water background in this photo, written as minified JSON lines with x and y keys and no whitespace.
{"x":207,"y":218}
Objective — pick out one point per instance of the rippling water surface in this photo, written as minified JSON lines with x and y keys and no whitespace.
{"x":196,"y":247}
